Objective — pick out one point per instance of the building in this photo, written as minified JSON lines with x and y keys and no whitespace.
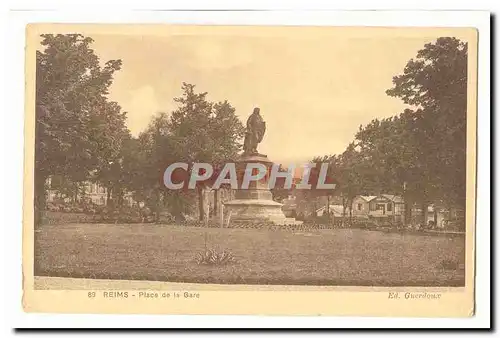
{"x":440,"y":217}
{"x":90,"y":191}
{"x":392,"y":207}
{"x":361,"y":206}
{"x":381,"y":206}
{"x":96,"y":193}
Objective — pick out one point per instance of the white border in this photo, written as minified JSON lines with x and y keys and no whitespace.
{"x":12,"y":132}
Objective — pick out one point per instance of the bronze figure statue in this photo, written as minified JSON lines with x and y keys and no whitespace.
{"x":256,"y":127}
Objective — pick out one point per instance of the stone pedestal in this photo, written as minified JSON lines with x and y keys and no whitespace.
{"x":255,"y":203}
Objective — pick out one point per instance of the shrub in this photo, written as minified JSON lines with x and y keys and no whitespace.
{"x":214,"y":257}
{"x":455,"y":224}
{"x":58,"y":217}
{"x":448,"y":264}
{"x":52,"y":206}
{"x":363,"y":224}
{"x":202,"y":224}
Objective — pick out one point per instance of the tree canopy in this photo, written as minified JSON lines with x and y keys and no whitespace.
{"x":81,"y":134}
{"x":421,"y":152}
{"x":77,"y":127}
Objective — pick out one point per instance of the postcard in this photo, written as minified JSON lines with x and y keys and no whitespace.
{"x":261,"y":170}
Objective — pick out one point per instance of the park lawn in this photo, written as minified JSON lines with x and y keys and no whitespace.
{"x":323,"y":257}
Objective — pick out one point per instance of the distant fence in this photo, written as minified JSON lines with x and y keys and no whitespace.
{"x":56,"y":217}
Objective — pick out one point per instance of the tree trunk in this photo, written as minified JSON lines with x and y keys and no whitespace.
{"x":119,"y":197}
{"x":344,"y":206}
{"x":350,"y":212}
{"x":425,"y":213}
{"x":407,"y":212}
{"x":176,"y":209}
{"x":75,"y":199}
{"x":39,"y":199}
{"x":448,"y":212}
{"x":216,"y":201}
{"x":201,"y":205}
{"x":108,"y":195}
{"x":328,"y":207}
{"x":157,"y":206}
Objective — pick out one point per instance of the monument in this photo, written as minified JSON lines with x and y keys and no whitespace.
{"x":255,"y":203}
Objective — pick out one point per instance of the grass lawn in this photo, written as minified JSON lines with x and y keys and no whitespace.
{"x":324,"y":257}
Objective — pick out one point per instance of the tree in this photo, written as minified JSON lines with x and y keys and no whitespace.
{"x":353,"y":174}
{"x":309,"y":199}
{"x":144,"y":162}
{"x":279,"y":191}
{"x":392,"y":155}
{"x":204,"y":132}
{"x":70,"y":87}
{"x":109,"y":137}
{"x":419,"y":153}
{"x":197,"y":131}
{"x":435,"y":83}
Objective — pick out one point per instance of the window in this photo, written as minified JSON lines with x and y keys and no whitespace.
{"x":389,"y":206}
{"x":381,"y":207}
{"x":360,"y":206}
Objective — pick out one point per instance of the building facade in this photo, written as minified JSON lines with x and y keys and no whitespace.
{"x":89,"y":191}
{"x":381,"y":206}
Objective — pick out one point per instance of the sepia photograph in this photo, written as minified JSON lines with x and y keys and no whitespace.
{"x":170,"y":157}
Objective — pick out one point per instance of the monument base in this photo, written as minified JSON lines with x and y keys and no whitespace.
{"x":253,"y":210}
{"x":255,"y":204}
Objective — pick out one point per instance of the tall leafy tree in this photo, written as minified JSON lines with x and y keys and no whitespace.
{"x":419,"y":153}
{"x":435,"y":83}
{"x":393,"y":158}
{"x":110,"y":137}
{"x":71,"y":86}
{"x":147,"y":157}
{"x":308,"y":200}
{"x":203,"y":131}
{"x":197,"y":131}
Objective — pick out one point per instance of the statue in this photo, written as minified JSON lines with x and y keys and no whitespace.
{"x":256,"y":127}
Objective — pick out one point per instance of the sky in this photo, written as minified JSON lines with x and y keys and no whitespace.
{"x":314,"y":86}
